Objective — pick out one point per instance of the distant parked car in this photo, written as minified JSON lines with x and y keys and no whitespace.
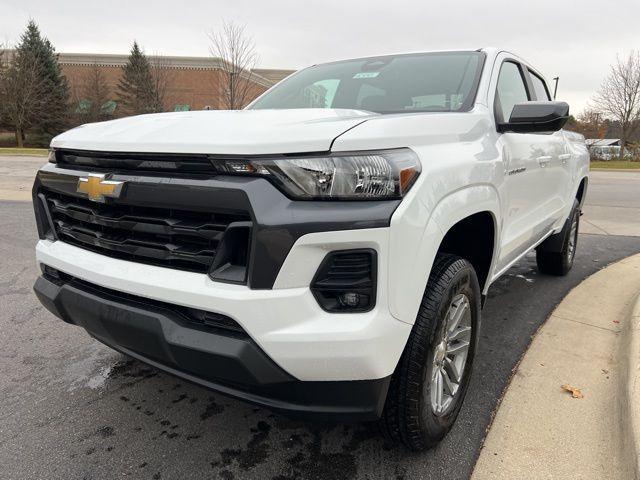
{"x":604,"y":152}
{"x":611,"y":152}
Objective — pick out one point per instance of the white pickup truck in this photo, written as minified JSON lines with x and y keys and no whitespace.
{"x":326,"y":251}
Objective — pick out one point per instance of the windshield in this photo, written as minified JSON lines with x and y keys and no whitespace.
{"x":424,"y":82}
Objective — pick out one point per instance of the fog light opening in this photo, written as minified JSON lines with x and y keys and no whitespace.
{"x":346,"y":281}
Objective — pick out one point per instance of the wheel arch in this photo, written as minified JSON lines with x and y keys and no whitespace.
{"x":449,"y":224}
{"x":581,"y":193}
{"x":480,"y":252}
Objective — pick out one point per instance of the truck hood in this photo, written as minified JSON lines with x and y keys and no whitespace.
{"x":417,"y":130}
{"x":239,"y":132}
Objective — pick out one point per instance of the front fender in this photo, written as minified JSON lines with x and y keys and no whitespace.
{"x":416,"y":234}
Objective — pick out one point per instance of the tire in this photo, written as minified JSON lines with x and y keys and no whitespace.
{"x":411,"y":415}
{"x":555,"y":255}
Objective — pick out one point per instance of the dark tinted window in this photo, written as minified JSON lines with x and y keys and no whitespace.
{"x":430,"y":82}
{"x":539,"y":87}
{"x":510,"y":90}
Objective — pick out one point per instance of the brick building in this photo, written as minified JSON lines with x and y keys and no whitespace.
{"x":193,"y":83}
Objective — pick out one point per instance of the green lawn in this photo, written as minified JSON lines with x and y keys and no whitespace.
{"x":621,"y":164}
{"x":41,"y":152}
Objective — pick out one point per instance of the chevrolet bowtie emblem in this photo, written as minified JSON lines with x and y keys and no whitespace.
{"x":97,"y":188}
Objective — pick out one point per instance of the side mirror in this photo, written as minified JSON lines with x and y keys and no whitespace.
{"x":532,"y":117}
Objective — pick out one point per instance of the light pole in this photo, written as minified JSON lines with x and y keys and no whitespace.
{"x":555,"y":90}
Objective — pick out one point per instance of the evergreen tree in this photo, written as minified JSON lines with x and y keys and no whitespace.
{"x":33,"y":47}
{"x":136,"y":89}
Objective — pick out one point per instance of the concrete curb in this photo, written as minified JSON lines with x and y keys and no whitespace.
{"x":631,"y":386}
{"x":591,"y":342}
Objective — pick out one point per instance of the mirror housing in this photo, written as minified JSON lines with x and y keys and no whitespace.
{"x":534,"y":117}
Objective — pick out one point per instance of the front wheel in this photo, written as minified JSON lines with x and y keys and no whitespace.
{"x":432,"y":376}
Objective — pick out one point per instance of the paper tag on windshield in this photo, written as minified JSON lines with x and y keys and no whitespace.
{"x":366,"y":75}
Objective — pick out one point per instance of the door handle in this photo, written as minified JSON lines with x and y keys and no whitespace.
{"x":544,"y":160}
{"x":564,"y":157}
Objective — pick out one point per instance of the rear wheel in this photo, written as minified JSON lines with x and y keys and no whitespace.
{"x":555,"y":255}
{"x":431,"y":379}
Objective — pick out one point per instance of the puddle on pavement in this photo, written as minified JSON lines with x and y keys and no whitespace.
{"x":91,"y":367}
{"x":523,"y":277}
{"x":99,"y":380}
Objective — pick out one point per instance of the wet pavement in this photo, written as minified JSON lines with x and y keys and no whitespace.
{"x":72,"y":408}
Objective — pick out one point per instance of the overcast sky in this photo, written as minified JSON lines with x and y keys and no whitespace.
{"x":576,"y":40}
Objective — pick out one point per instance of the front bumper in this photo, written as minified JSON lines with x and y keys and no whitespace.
{"x":286,"y":322}
{"x":227,"y":362}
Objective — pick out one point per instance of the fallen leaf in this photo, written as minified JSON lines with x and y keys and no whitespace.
{"x":575,"y":392}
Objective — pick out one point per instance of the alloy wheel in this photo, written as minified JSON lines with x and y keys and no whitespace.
{"x":450,"y":355}
{"x":573,"y":239}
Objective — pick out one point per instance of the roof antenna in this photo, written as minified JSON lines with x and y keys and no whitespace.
{"x":555,"y":90}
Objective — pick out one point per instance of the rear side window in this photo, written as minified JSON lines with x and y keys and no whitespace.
{"x":542,"y":93}
{"x":511,"y":90}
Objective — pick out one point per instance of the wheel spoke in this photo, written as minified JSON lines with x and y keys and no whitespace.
{"x":461,"y":333}
{"x":450,"y":384}
{"x":457,"y":347}
{"x":436,"y":390}
{"x":457,"y":311}
{"x":452,"y":370}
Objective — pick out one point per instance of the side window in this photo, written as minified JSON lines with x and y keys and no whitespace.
{"x":542,"y":93}
{"x":510,"y":90}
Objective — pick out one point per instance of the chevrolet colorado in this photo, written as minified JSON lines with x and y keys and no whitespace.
{"x":326,"y":251}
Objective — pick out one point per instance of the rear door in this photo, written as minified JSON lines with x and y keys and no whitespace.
{"x":559,"y":168}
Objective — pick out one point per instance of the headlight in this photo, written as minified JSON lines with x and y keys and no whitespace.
{"x":386,"y":174}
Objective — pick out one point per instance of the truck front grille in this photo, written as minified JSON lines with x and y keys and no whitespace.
{"x":180,"y":239}
{"x":137,"y":162}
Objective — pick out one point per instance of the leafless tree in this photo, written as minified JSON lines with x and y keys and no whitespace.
{"x":23,"y":94}
{"x":619,"y":96}
{"x":162,"y":79}
{"x":96,"y":90}
{"x":237,"y":55}
{"x":591,"y":124}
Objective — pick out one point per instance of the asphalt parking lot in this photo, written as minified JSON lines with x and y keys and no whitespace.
{"x":72,"y":408}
